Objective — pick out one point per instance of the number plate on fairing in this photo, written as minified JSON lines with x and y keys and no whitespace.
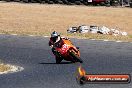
{"x":64,"y":48}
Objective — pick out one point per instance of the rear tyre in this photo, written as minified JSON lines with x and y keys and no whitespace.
{"x":77,"y":2}
{"x":46,"y":1}
{"x":50,"y":2}
{"x":76,"y":58}
{"x":65,"y":2}
{"x":60,"y":2}
{"x":43,"y":2}
{"x":25,"y":1}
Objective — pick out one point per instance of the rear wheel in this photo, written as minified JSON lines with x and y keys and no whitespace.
{"x":50,"y":2}
{"x":60,"y":2}
{"x":65,"y":1}
{"x":75,"y":57}
{"x":77,"y":2}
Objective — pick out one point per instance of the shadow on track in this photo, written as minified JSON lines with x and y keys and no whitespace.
{"x":59,"y":63}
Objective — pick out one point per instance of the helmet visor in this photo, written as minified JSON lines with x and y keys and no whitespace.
{"x":54,"y":38}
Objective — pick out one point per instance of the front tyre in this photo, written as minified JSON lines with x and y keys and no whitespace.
{"x":58,"y":60}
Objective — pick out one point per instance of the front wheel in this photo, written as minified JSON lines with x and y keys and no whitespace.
{"x":75,"y":57}
{"x":58,"y":60}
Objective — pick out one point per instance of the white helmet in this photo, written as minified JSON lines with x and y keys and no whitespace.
{"x":55,"y":36}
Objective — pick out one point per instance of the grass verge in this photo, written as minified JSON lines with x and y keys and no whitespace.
{"x":75,"y":35}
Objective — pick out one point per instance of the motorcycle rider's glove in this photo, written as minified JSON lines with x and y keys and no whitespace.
{"x":51,"y":46}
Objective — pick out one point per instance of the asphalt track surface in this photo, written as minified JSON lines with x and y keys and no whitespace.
{"x":40,"y":70}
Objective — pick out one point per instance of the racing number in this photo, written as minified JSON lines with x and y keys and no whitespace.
{"x":64,"y":48}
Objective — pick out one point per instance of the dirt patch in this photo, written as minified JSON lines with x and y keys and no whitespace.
{"x":7,"y":68}
{"x":4,"y":68}
{"x":40,"y":19}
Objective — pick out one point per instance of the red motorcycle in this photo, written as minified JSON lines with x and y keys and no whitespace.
{"x":67,"y":51}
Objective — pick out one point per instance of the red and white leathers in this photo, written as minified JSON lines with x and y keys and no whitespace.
{"x":54,"y":44}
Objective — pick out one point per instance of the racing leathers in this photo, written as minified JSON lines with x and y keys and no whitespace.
{"x":54,"y":44}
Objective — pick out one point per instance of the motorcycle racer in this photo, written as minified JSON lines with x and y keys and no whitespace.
{"x":55,"y":42}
